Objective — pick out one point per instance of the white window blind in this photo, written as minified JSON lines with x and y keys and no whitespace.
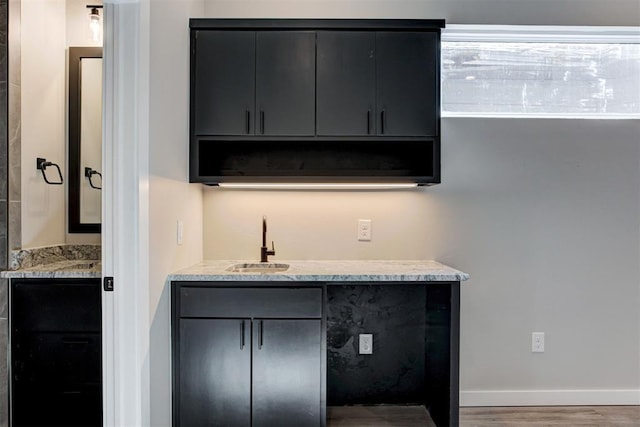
{"x":523,"y":71}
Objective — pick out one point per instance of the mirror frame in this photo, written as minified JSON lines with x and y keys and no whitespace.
{"x":74,"y":175}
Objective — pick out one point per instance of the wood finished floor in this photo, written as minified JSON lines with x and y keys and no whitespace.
{"x":551,"y":416}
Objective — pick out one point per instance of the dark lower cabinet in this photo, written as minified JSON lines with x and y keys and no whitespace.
{"x":286,"y":372}
{"x":215,"y":374}
{"x":247,"y":357}
{"x":55,"y":335}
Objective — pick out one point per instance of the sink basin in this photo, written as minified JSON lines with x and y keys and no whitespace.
{"x":258,"y":267}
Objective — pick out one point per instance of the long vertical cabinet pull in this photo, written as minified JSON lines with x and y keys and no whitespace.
{"x":242,"y":335}
{"x":262,"y":122}
{"x":382,"y":117}
{"x":368,"y":122}
{"x":248,"y":118}
{"x":260,"y":334}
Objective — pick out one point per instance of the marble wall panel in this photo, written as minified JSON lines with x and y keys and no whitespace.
{"x":395,"y":372}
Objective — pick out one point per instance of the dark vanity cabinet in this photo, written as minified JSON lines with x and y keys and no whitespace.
{"x":247,"y":356}
{"x":315,"y":101}
{"x":377,"y":83}
{"x":55,"y":335}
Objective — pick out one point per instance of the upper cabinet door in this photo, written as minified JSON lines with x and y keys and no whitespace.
{"x":224,"y":87}
{"x":406,"y":83}
{"x":345,"y":83}
{"x":285,"y":83}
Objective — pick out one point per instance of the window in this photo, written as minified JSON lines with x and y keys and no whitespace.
{"x":585,"y":72}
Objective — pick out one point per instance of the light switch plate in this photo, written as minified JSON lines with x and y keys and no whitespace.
{"x":179,"y":232}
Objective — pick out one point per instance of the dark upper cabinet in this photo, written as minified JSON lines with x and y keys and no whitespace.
{"x":254,"y":83}
{"x":381,"y":83}
{"x":285,"y":83}
{"x":346,"y":83}
{"x":224,"y":83}
{"x":315,"y":100}
{"x":406,"y":86}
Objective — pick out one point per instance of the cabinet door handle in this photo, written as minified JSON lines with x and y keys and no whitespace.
{"x":368,"y":122}
{"x":260,"y":334}
{"x":248,"y":117}
{"x":74,"y":341}
{"x":241,"y":334}
{"x":262,"y":122}
{"x":382,"y":117}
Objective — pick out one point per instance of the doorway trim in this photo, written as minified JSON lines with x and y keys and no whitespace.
{"x":125,"y":310}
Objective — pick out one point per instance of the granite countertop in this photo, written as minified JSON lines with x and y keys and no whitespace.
{"x":57,"y":261}
{"x":58,"y":270}
{"x":327,"y":271}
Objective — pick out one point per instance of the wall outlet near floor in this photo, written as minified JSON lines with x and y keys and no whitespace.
{"x":366,"y":344}
{"x":364,"y":229}
{"x":537,"y":342}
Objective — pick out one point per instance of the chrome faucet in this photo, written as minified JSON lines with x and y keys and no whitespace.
{"x":264,"y":250}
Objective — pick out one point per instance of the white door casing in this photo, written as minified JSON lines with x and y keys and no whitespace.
{"x":125,"y":318}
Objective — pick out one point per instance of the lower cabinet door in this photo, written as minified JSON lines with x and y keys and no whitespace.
{"x":215,"y":373}
{"x":286,"y":372}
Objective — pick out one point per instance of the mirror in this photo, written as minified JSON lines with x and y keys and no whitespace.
{"x":85,"y":139}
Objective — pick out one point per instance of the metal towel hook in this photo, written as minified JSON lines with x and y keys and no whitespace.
{"x":88,"y":173}
{"x":42,"y":164}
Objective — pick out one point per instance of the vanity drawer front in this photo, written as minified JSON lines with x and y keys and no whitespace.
{"x":250,"y":302}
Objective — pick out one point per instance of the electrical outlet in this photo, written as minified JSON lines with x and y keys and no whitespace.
{"x":364,"y":229}
{"x":537,"y":342}
{"x":366,"y":344}
{"x":179,"y":232}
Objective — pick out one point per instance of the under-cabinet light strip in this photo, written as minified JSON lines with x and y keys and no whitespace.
{"x":312,"y":186}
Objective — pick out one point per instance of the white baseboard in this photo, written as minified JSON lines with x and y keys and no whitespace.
{"x":549,"y":397}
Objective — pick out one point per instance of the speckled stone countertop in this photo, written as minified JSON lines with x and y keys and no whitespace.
{"x":58,"y":261}
{"x":327,"y":271}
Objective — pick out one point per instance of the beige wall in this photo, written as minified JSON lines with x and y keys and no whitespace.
{"x":43,"y":120}
{"x":513,"y":12}
{"x":320,"y":224}
{"x":48,"y":27}
{"x":171,"y":198}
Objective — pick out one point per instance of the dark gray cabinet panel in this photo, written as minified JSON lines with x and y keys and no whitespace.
{"x":285,"y":82}
{"x":224,"y":87}
{"x":406,"y":70}
{"x":238,"y":362}
{"x":345,"y":83}
{"x":381,"y":83}
{"x":215,"y":375}
{"x":286,"y":373}
{"x":250,"y":302}
{"x":254,"y":83}
{"x":55,"y":336}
